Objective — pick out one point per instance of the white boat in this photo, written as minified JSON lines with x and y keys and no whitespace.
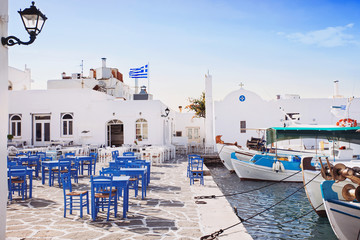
{"x":268,"y":168}
{"x":312,"y":179}
{"x":344,"y":216}
{"x":225,"y":151}
{"x":311,"y":170}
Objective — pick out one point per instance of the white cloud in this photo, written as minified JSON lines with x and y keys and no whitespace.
{"x":328,"y":37}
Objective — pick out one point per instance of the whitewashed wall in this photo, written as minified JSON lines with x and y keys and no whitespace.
{"x":187,"y":119}
{"x":259,"y":113}
{"x":92,"y":110}
{"x":20,"y":80}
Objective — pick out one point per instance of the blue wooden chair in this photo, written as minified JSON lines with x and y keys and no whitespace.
{"x":89,"y":165}
{"x":102,"y":196}
{"x":74,"y":170}
{"x":190,"y":156}
{"x":94,"y":158}
{"x":74,"y":200}
{"x":64,"y":166}
{"x":17,"y":181}
{"x":114,"y":154}
{"x":34,"y":162}
{"x":196,"y":170}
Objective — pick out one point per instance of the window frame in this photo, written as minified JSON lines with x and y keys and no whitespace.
{"x":67,"y":125}
{"x":242,"y":126}
{"x":141,"y":129}
{"x":15,"y":126}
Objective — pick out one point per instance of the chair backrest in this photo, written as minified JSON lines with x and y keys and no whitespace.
{"x":42,"y":155}
{"x":20,"y":171}
{"x":101,"y":184}
{"x":64,"y":163}
{"x":33,"y":159}
{"x":109,"y":172}
{"x":128,"y":154}
{"x":114,"y":154}
{"x":196,"y":163}
{"x":66,"y":182}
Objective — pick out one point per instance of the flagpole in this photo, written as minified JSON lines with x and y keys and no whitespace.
{"x":148,"y":76}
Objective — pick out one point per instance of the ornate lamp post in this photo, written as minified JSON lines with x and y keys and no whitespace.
{"x":33,"y":21}
{"x":167,"y":111}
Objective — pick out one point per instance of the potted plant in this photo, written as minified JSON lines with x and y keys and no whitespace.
{"x":10,"y":137}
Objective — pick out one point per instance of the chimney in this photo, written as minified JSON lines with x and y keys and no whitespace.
{"x":103,"y":62}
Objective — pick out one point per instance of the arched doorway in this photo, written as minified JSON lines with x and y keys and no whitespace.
{"x":115,"y":133}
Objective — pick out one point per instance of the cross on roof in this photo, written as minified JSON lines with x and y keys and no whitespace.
{"x":241,"y":85}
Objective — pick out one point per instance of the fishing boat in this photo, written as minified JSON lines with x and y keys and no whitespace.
{"x":226,"y":149}
{"x":343,"y":215}
{"x":268,"y":167}
{"x":341,"y":156}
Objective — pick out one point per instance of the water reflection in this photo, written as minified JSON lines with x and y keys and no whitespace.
{"x":275,"y":223}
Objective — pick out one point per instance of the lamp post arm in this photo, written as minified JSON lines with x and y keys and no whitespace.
{"x":12,"y":40}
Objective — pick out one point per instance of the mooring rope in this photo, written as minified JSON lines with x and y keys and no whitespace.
{"x":249,"y":191}
{"x":217,"y":233}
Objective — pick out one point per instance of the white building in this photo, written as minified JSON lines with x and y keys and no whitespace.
{"x":241,"y":114}
{"x":99,"y":109}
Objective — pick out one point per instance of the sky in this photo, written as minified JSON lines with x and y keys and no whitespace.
{"x":272,"y":47}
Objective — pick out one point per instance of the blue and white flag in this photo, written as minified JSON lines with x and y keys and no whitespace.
{"x":338,"y":111}
{"x":141,"y":72}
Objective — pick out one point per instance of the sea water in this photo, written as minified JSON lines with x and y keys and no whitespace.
{"x":284,"y":220}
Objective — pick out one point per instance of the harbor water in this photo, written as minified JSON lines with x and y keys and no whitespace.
{"x":280,"y":222}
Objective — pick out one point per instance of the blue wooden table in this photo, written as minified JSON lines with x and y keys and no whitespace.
{"x":120,"y":182}
{"x":123,"y":183}
{"x":50,"y":165}
{"x":139,"y":172}
{"x":145,"y":163}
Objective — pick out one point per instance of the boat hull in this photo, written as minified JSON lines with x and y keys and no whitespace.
{"x":312,"y":180}
{"x":344,"y":216}
{"x":249,"y":171}
{"x":225,"y":152}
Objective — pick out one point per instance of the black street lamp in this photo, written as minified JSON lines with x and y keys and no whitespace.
{"x":33,"y":21}
{"x":167,"y":111}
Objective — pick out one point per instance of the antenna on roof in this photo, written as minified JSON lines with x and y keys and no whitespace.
{"x":82,"y":67}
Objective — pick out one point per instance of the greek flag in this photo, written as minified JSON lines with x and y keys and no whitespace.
{"x":141,"y":72}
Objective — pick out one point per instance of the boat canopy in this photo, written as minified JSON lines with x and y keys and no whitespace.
{"x":345,"y":134}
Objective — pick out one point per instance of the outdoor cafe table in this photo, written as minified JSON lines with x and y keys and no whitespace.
{"x":50,"y":165}
{"x":146,"y":163}
{"x":81,"y":160}
{"x":123,"y":183}
{"x":137,"y":171}
{"x":21,"y":159}
{"x":28,"y":172}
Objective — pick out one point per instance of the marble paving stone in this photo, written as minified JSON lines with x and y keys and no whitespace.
{"x":168,"y":212}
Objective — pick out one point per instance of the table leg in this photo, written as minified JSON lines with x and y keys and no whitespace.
{"x":42,"y":175}
{"x":125,"y":201}
{"x":30,"y":185}
{"x":50,"y":174}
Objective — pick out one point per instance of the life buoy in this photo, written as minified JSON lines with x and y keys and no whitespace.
{"x":346,"y":122}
